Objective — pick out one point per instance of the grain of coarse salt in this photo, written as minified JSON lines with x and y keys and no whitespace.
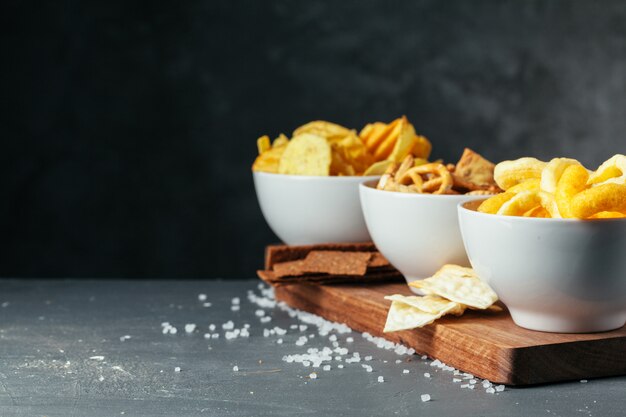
{"x":177,"y":369}
{"x":427,"y":375}
{"x":97,"y":358}
{"x":490,"y":390}
{"x":124,"y":338}
{"x":229,"y":325}
{"x":405,"y":371}
{"x":326,"y":367}
{"x":190,"y":327}
{"x":235,"y":300}
{"x":279,"y":341}
{"x":398,"y":361}
{"x":235,"y":368}
{"x":332,"y":337}
{"x":212,"y":327}
{"x":583,"y":381}
{"x":234,"y":308}
{"x":313,"y":375}
{"x":215,"y":336}
{"x":206,"y":304}
{"x":456,"y":380}
{"x":381,"y":379}
{"x":368,"y":358}
{"x":259,"y":313}
{"x":207,"y":335}
{"x":500,"y":388}
{"x":349,"y":339}
{"x":425,"y":397}
{"x":265,"y":319}
{"x":201,"y":297}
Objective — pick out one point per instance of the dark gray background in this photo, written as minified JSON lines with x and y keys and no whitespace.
{"x":127,"y":130}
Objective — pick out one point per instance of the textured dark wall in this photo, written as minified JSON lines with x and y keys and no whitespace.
{"x":127,"y":131}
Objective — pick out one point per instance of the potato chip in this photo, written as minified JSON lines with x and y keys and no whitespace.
{"x":521,"y":203}
{"x":404,"y":144}
{"x":422,"y":148}
{"x":378,"y":168}
{"x":552,"y":172}
{"x":612,"y":171}
{"x":458,"y":284}
{"x":432,"y":304}
{"x":379,"y":133}
{"x":324,"y":129}
{"x":269,"y":159}
{"x":403,"y":316}
{"x":306,"y":154}
{"x":509,"y":173}
{"x":353,"y":152}
{"x":384,"y":149}
{"x":263,"y":144}
{"x":572,"y":181}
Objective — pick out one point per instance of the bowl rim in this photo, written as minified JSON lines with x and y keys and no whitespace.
{"x":366,"y":185}
{"x":345,"y":178}
{"x":461,"y":208}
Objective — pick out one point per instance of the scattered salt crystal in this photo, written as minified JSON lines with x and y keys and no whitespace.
{"x":97,"y":358}
{"x":124,"y":338}
{"x":215,"y":336}
{"x":265,"y":319}
{"x":211,"y":327}
{"x":202,"y":297}
{"x":177,"y":369}
{"x":367,"y":368}
{"x":189,"y":328}
{"x":236,"y":300}
{"x":398,"y":361}
{"x":303,"y":327}
{"x":293,"y":326}
{"x":456,"y":380}
{"x":381,"y":379}
{"x":235,"y":368}
{"x":368,"y":358}
{"x":425,"y":397}
{"x":279,"y":341}
{"x":165,"y":324}
{"x":426,"y":375}
{"x":101,"y":378}
{"x":464,"y":385}
{"x":490,"y":390}
{"x":259,"y":313}
{"x":207,"y":335}
{"x":279,"y":331}
{"x":350,"y":340}
{"x":436,"y":362}
{"x":173,"y":330}
{"x":229,"y":325}
{"x":340,"y":366}
{"x":583,"y":381}
{"x":306,"y":363}
{"x":471,"y":387}
{"x":424,"y":357}
{"x":486,"y":384}
{"x":206,"y":304}
{"x":234,"y":308}
{"x":500,"y":388}
{"x":313,"y":375}
{"x":332,"y":338}
{"x":326,"y":367}
{"x":472,"y":381}
{"x":405,"y":371}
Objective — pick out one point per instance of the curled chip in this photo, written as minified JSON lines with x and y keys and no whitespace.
{"x":573,"y":181}
{"x":607,"y":197}
{"x":607,"y":215}
{"x":510,"y":173}
{"x":458,"y":284}
{"x":263,"y":144}
{"x":612,"y":171}
{"x":552,"y":172}
{"x":306,"y":154}
{"x":493,"y":204}
{"x":394,"y":141}
{"x":520,"y":204}
{"x":378,"y":168}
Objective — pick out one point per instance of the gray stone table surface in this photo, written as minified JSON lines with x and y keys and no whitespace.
{"x":64,"y":352}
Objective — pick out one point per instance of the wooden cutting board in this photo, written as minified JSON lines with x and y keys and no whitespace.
{"x":488,"y":345}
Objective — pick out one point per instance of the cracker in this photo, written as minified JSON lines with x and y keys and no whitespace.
{"x":432,"y":304}
{"x":458,"y":284}
{"x":403,"y":316}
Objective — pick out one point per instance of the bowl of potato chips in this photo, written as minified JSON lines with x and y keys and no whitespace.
{"x":553,"y":244}
{"x":307,"y":185}
{"x":411,"y":212}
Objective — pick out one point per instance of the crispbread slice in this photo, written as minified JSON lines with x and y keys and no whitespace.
{"x":336,"y":262}
{"x":458,"y":284}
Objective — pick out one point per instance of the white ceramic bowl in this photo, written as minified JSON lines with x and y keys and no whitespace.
{"x":417,"y":233}
{"x":305,"y":210}
{"x":554,"y":275}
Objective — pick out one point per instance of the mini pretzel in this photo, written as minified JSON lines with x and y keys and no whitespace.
{"x":438,"y":179}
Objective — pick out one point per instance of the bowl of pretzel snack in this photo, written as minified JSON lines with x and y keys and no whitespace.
{"x":308,"y":185}
{"x":553,"y":244}
{"x":411,"y":212}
